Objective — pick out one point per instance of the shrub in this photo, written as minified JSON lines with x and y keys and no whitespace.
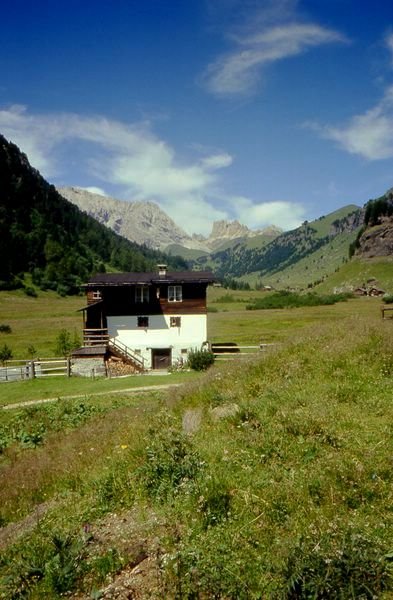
{"x":346,"y":566}
{"x":65,"y":343}
{"x":200,"y":360}
{"x":32,"y":351}
{"x":5,"y":353}
{"x":388,"y":298}
{"x":227,"y":298}
{"x":29,"y":291}
{"x":5,"y":328}
{"x":53,"y":565}
{"x":285,"y":299}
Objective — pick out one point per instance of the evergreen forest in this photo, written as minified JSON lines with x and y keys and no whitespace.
{"x":47,"y":240}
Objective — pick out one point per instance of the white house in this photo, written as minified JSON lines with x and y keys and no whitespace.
{"x":154,"y":317}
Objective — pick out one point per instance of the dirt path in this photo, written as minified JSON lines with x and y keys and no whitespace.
{"x":135,"y":390}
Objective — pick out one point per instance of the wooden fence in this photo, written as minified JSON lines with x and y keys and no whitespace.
{"x":232,"y":350}
{"x":17,"y":370}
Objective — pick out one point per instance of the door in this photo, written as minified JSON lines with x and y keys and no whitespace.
{"x":161,"y":358}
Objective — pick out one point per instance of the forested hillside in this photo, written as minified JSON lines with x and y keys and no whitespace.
{"x":44,"y":235}
{"x":286,"y":249}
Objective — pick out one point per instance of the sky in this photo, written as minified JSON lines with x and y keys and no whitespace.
{"x":264,"y":111}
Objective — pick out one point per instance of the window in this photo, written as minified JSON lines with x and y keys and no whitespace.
{"x":141,"y":293}
{"x":175,"y":321}
{"x":143,"y":322}
{"x":175,"y":293}
{"x":96,"y":295}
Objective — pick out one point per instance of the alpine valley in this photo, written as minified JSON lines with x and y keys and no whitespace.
{"x":55,"y":239}
{"x":270,"y":257}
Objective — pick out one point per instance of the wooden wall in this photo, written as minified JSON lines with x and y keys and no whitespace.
{"x":120,"y":300}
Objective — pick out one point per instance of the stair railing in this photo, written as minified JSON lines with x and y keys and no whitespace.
{"x":127,"y":353}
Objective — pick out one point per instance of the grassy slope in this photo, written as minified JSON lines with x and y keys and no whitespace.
{"x":303,"y":271}
{"x":311,"y":269}
{"x":319,"y":264}
{"x":360,"y":270}
{"x":323,"y":224}
{"x":186,"y":253}
{"x":38,"y":321}
{"x":288,"y":498}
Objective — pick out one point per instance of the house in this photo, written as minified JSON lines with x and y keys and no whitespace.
{"x":153,"y":319}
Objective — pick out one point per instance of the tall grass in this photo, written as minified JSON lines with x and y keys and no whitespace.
{"x":280,"y":488}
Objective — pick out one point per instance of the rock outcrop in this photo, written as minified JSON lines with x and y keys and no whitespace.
{"x":377,"y":240}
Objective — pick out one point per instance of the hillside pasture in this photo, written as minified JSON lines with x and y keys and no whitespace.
{"x":38,"y":321}
{"x":272,"y":480}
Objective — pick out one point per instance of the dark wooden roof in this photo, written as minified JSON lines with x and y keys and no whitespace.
{"x":89,"y":351}
{"x":120,"y":279}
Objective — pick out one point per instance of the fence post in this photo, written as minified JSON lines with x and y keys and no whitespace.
{"x":68,"y":367}
{"x":32,"y":369}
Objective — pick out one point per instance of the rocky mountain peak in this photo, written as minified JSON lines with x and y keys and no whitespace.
{"x":142,"y":222}
{"x":229,"y":230}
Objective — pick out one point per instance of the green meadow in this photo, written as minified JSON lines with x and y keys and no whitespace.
{"x":267,"y":477}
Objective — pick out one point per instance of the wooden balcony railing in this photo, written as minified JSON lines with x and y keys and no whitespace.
{"x":95,"y":337}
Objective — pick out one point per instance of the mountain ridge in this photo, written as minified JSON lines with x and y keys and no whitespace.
{"x":146,"y":223}
{"x":287,"y":249}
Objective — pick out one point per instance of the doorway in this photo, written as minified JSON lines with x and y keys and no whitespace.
{"x":161,"y":358}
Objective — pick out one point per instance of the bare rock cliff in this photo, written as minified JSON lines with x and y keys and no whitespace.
{"x":377,"y":240}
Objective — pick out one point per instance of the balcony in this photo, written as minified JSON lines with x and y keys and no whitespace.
{"x":95,"y":337}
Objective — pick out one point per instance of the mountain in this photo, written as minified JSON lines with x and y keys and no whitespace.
{"x":141,"y":222}
{"x":43,"y":234}
{"x":298,"y":258}
{"x":146,"y":223}
{"x":269,"y":260}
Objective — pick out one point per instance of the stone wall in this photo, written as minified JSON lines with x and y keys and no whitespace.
{"x":88,"y":367}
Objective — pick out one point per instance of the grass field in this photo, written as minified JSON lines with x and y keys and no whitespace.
{"x":270,"y":478}
{"x":38,"y":321}
{"x":62,"y":387}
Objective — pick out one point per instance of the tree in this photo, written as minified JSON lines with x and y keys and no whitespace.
{"x":65,"y":343}
{"x":5,"y":353}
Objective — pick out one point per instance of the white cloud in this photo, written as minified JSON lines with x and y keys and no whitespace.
{"x":142,"y":166}
{"x":217,"y":161}
{"x":94,"y":190}
{"x":369,"y":135}
{"x":239,"y":71}
{"x":287,"y":215}
{"x":27,"y":133}
{"x":128,"y":156}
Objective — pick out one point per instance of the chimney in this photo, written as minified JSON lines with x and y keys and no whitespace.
{"x":162,"y":270}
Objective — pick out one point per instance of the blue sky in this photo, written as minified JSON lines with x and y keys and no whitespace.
{"x":257,"y":110}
